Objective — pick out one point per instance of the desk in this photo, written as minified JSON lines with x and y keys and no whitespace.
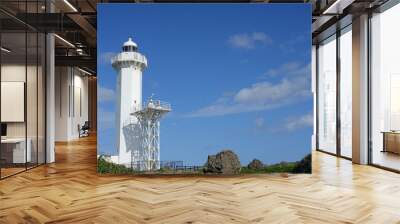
{"x":391,"y":141}
{"x":16,"y":147}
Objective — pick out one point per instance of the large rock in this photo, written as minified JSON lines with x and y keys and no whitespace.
{"x":255,"y":164}
{"x":304,"y":165}
{"x":224,"y":162}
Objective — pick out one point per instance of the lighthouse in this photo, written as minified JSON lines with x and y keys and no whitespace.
{"x":129,"y":65}
{"x":137,"y":123}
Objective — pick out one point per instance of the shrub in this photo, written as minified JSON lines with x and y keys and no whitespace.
{"x":103,"y":166}
{"x":304,"y":165}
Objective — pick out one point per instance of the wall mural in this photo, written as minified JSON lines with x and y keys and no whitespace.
{"x":204,"y":89}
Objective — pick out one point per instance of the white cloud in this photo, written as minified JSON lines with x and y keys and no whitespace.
{"x":269,"y":92}
{"x":295,"y":123}
{"x":105,"y":94}
{"x":249,"y":40}
{"x":289,"y":69}
{"x":263,"y":95}
{"x":258,"y":97}
{"x":259,"y":122}
{"x":262,"y":37}
{"x":105,"y":58}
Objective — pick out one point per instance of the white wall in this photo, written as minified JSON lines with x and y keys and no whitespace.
{"x":80,"y":109}
{"x":13,"y":100}
{"x":12,"y":73}
{"x":71,"y":102}
{"x":61,"y":103}
{"x":33,"y":125}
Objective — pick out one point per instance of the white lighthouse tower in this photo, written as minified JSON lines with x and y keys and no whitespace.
{"x":138,"y":125}
{"x":129,"y":64}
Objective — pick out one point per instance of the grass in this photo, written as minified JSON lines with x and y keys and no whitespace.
{"x":275,"y":168}
{"x":104,"y":166}
{"x":303,"y":166}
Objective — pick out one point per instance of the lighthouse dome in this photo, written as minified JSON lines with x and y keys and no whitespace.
{"x":129,"y":46}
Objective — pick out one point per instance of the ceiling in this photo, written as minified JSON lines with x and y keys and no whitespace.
{"x":332,"y":15}
{"x":75,"y":21}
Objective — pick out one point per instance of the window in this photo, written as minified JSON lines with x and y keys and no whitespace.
{"x":327,"y":95}
{"x":346,"y":92}
{"x":22,"y":77}
{"x":385,"y":89}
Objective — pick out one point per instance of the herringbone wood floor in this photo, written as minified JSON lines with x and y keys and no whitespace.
{"x":70,"y":191}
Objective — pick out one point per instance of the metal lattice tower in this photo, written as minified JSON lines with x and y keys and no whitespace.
{"x":146,"y":155}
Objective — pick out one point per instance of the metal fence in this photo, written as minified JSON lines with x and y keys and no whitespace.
{"x":170,"y":164}
{"x":163,"y":167}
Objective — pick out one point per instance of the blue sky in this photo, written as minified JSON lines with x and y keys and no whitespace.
{"x":237,"y":76}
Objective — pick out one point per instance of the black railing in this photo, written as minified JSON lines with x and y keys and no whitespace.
{"x":163,"y":167}
{"x":170,"y":164}
{"x":189,"y":168}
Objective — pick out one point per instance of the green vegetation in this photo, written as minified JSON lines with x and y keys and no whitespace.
{"x":104,"y":166}
{"x":302,"y":166}
{"x":275,"y":168}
